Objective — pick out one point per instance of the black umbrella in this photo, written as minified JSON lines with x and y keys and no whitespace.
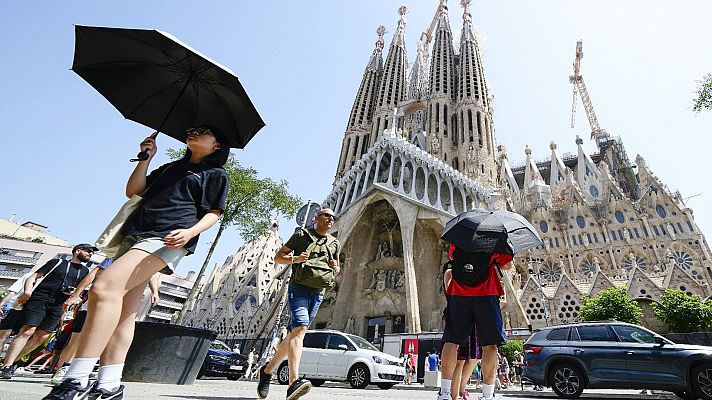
{"x":154,"y":79}
{"x":488,"y":231}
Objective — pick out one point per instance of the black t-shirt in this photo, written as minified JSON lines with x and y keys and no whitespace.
{"x":59,"y":279}
{"x":179,"y":195}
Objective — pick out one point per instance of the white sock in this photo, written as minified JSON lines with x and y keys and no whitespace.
{"x":487,"y":391}
{"x":109,"y":377}
{"x":445,"y":385}
{"x":80,"y":369}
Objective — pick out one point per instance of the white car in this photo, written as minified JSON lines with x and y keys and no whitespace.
{"x":337,"y":356}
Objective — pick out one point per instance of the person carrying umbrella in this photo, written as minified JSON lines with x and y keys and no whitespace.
{"x":181,"y":199}
{"x":484,"y":242}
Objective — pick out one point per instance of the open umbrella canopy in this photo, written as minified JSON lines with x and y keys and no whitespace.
{"x":154,"y":79}
{"x":488,"y":231}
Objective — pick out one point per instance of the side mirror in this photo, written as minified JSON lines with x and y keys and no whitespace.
{"x":660,"y":341}
{"x":343,"y":347}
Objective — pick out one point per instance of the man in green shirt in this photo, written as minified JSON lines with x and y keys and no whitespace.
{"x":314,"y":256}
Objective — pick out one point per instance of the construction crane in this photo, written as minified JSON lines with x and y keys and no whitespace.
{"x":580,"y":88}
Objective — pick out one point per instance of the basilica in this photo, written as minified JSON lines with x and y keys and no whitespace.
{"x":418,"y":149}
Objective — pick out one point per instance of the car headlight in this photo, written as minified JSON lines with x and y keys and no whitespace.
{"x":218,"y":358}
{"x":379,"y":360}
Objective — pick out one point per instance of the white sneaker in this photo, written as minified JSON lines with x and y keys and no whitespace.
{"x":20,"y":370}
{"x":444,"y":396}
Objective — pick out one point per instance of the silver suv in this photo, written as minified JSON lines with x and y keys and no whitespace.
{"x":614,"y":354}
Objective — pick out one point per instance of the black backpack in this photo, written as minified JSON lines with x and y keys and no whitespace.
{"x":469,"y":268}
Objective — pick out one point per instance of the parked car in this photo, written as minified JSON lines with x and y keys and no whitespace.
{"x":337,"y":356}
{"x":221,"y":361}
{"x":612,"y":354}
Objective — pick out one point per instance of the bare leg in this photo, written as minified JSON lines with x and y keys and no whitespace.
{"x":106,"y":298}
{"x":467,"y":368}
{"x":35,"y":341}
{"x":118,"y":346}
{"x":4,"y":334}
{"x":291,"y":346}
{"x":449,"y":359}
{"x":489,"y":364}
{"x":70,"y":350}
{"x":456,"y":374}
{"x":17,"y":344}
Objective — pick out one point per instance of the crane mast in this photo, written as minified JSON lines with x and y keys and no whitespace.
{"x":580,"y":89}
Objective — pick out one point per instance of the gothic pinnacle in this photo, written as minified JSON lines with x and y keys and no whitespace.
{"x":466,"y":6}
{"x":380,"y":32}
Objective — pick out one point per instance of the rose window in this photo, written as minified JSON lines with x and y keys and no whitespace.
{"x":639,"y":261}
{"x":550,"y":273}
{"x":684,"y":260}
{"x":588,"y":268}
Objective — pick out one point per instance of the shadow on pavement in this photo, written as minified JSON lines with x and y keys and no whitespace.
{"x":174,"y":396}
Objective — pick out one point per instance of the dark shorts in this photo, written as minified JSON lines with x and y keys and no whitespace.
{"x":78,"y":323}
{"x":13,"y":320}
{"x":43,"y":314}
{"x":304,"y":302}
{"x":481,"y":312}
{"x":62,"y":340}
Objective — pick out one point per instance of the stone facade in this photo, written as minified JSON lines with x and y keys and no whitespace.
{"x":417,"y":154}
{"x":241,"y":297}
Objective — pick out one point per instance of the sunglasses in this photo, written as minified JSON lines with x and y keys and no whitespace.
{"x":329,"y":216}
{"x":198,"y":131}
{"x":90,"y":251}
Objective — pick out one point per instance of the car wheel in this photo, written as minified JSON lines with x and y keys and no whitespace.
{"x":567,"y":381}
{"x":385,"y":386}
{"x":359,"y":377}
{"x":317,"y":382}
{"x":702,"y":381}
{"x":283,"y":374}
{"x":686,"y":395}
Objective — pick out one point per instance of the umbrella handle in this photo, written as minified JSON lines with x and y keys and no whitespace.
{"x":143,"y":155}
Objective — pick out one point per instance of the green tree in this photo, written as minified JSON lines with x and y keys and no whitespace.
{"x":510,"y":348}
{"x":250,"y":206}
{"x":611,"y":304}
{"x":683,"y":313}
{"x":703,"y":98}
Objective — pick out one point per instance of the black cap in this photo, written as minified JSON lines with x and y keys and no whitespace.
{"x":85,"y":246}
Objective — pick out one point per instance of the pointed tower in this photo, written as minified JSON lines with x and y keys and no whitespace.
{"x":474,"y":112}
{"x":358,"y":129}
{"x":393,"y":86}
{"x":442,"y":91}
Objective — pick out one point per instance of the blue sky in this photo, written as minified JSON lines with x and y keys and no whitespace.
{"x":66,"y":151}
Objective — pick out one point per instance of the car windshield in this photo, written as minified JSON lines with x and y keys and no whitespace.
{"x":219,"y":345}
{"x":362,"y":343}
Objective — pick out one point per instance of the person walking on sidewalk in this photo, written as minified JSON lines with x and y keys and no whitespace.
{"x":467,"y":355}
{"x":42,"y":309}
{"x":475,"y":304}
{"x":181,"y":199}
{"x":315,"y":264}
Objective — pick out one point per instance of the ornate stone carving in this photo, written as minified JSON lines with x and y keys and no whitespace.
{"x":386,"y":279}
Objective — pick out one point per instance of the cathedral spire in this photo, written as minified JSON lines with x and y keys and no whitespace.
{"x":357,"y":137}
{"x":474,"y":114}
{"x":442,"y":81}
{"x":393,"y":86}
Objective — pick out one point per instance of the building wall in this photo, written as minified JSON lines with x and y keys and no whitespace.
{"x":173,"y":292}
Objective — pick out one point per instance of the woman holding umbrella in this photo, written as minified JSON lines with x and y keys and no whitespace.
{"x":180,"y":200}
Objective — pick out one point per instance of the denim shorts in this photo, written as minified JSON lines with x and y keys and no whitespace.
{"x":155,"y":246}
{"x":303,"y":302}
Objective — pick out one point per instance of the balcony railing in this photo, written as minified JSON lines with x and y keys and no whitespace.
{"x":170,"y":304}
{"x":17,"y":259}
{"x":11,"y":273}
{"x":175,"y":292}
{"x":160,"y":315}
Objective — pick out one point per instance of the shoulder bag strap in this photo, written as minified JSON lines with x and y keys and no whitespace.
{"x":37,"y":282}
